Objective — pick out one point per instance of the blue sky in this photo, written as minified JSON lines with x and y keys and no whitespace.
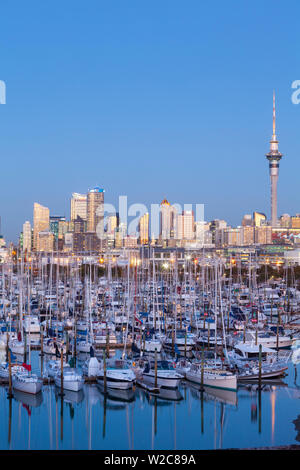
{"x":149,"y":99}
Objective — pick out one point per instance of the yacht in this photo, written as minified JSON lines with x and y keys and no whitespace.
{"x":167,"y":376}
{"x":31,"y":324}
{"x":4,"y":369}
{"x":212,"y":377}
{"x":118,"y":374}
{"x":53,"y":367}
{"x":16,"y":346}
{"x":269,"y":338}
{"x":27,"y":382}
{"x":72,"y":379}
{"x":182,"y":341}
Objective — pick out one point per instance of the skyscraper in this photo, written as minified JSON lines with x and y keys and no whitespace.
{"x":185,"y":226}
{"x":78,"y":206}
{"x":274,"y":157}
{"x":167,"y":220}
{"x":95,"y":210}
{"x":27,"y":236}
{"x":144,"y":229}
{"x":41,"y":216}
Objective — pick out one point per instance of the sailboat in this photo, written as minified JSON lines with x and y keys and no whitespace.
{"x":26,"y":381}
{"x":118,"y":374}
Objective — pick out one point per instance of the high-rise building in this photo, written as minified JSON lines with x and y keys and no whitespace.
{"x":233,"y":236}
{"x":58,"y":226}
{"x":215,"y":226}
{"x":95,"y":211}
{"x":274,"y":157}
{"x":27,"y":236}
{"x":167,"y":220}
{"x":112,"y":223}
{"x":78,"y":206}
{"x":144,"y":229}
{"x":263,"y":235}
{"x":41,"y":221}
{"x":78,"y":225}
{"x":202,"y":232}
{"x":247,"y":232}
{"x":185,"y":226}
{"x":45,"y":241}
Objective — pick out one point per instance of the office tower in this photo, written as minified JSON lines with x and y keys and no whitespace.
{"x":68,"y":241}
{"x":247,"y":232}
{"x":112,"y":223}
{"x":233,"y":236}
{"x":263,"y":235}
{"x":78,"y":206}
{"x":45,"y":241}
{"x":58,"y":226}
{"x":40,"y":221}
{"x":259,"y":219}
{"x":185,"y":226}
{"x":202,"y":232}
{"x":144,"y":229}
{"x":95,"y":211}
{"x":91,"y":242}
{"x":78,"y":225}
{"x":274,"y":157}
{"x":167,"y":220}
{"x":215,"y":226}
{"x":120,"y":234}
{"x":27,"y":236}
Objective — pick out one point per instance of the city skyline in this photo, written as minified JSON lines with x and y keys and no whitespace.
{"x":149,"y":112}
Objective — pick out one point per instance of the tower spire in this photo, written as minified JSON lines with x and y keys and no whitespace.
{"x":274,"y":117}
{"x":274,"y":157}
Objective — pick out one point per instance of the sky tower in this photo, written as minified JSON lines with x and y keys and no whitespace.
{"x":274,"y":157}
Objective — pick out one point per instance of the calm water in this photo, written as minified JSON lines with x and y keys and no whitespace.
{"x":178,"y":420}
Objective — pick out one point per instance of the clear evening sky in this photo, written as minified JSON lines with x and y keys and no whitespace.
{"x":150,"y":99}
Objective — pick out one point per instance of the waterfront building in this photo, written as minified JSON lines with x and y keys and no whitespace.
{"x":247,"y":233}
{"x":263,"y":235}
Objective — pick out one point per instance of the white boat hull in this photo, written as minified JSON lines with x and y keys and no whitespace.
{"x":27,"y":387}
{"x":228,"y":382}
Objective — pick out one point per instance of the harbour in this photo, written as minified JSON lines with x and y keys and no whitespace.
{"x":163,"y":360}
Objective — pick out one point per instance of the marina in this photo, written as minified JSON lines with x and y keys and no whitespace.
{"x":146,"y":352}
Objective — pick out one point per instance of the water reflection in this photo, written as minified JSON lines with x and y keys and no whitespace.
{"x":137,"y":419}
